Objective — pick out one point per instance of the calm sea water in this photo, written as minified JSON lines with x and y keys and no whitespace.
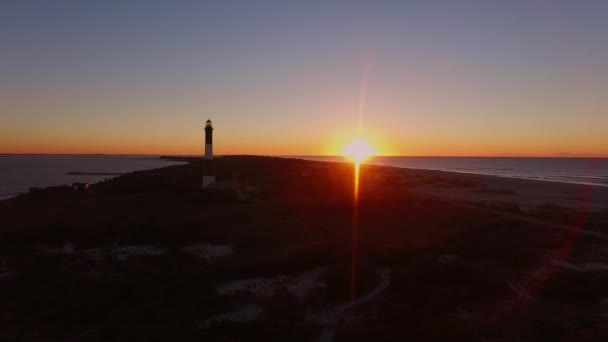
{"x":592,"y":171}
{"x":19,"y":173}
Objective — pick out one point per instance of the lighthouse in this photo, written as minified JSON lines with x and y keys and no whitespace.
{"x":208,"y":172}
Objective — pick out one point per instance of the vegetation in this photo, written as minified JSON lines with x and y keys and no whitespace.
{"x":112,"y":262}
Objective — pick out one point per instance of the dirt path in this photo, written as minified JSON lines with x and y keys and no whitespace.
{"x":331,"y":318}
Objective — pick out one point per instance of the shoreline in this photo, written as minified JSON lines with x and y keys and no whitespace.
{"x":532,"y":178}
{"x":488,"y":188}
{"x":491,"y":180}
{"x":327,"y":159}
{"x":22,"y":173}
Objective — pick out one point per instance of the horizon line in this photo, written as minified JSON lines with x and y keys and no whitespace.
{"x":312,"y":155}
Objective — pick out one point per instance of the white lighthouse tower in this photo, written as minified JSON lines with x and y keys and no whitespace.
{"x":208,"y":172}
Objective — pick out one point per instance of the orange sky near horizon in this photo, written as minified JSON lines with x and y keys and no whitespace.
{"x":320,"y":144}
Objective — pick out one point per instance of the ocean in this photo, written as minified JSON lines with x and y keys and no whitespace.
{"x":590,"y":171}
{"x":19,"y":173}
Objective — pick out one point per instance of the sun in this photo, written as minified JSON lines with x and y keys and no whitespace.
{"x":358,"y":150}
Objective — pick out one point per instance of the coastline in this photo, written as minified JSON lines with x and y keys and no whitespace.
{"x":22,"y":172}
{"x":80,"y":173}
{"x":393,"y":161}
{"x":488,"y":187}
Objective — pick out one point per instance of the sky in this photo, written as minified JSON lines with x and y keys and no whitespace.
{"x":474,"y":78}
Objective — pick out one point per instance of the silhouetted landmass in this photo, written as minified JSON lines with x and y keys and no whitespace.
{"x":440,"y":256}
{"x":182,"y":159}
{"x":94,"y":173}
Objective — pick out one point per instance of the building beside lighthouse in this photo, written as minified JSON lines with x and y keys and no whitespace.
{"x":208,"y":169}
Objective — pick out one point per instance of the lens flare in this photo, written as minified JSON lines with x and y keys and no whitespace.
{"x":358,"y":150}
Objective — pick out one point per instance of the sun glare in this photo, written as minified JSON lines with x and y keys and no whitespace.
{"x":358,"y":150}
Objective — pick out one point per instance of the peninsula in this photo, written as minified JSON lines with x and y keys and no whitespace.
{"x":150,"y":255}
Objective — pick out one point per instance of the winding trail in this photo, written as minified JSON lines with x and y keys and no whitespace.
{"x":331,"y":318}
